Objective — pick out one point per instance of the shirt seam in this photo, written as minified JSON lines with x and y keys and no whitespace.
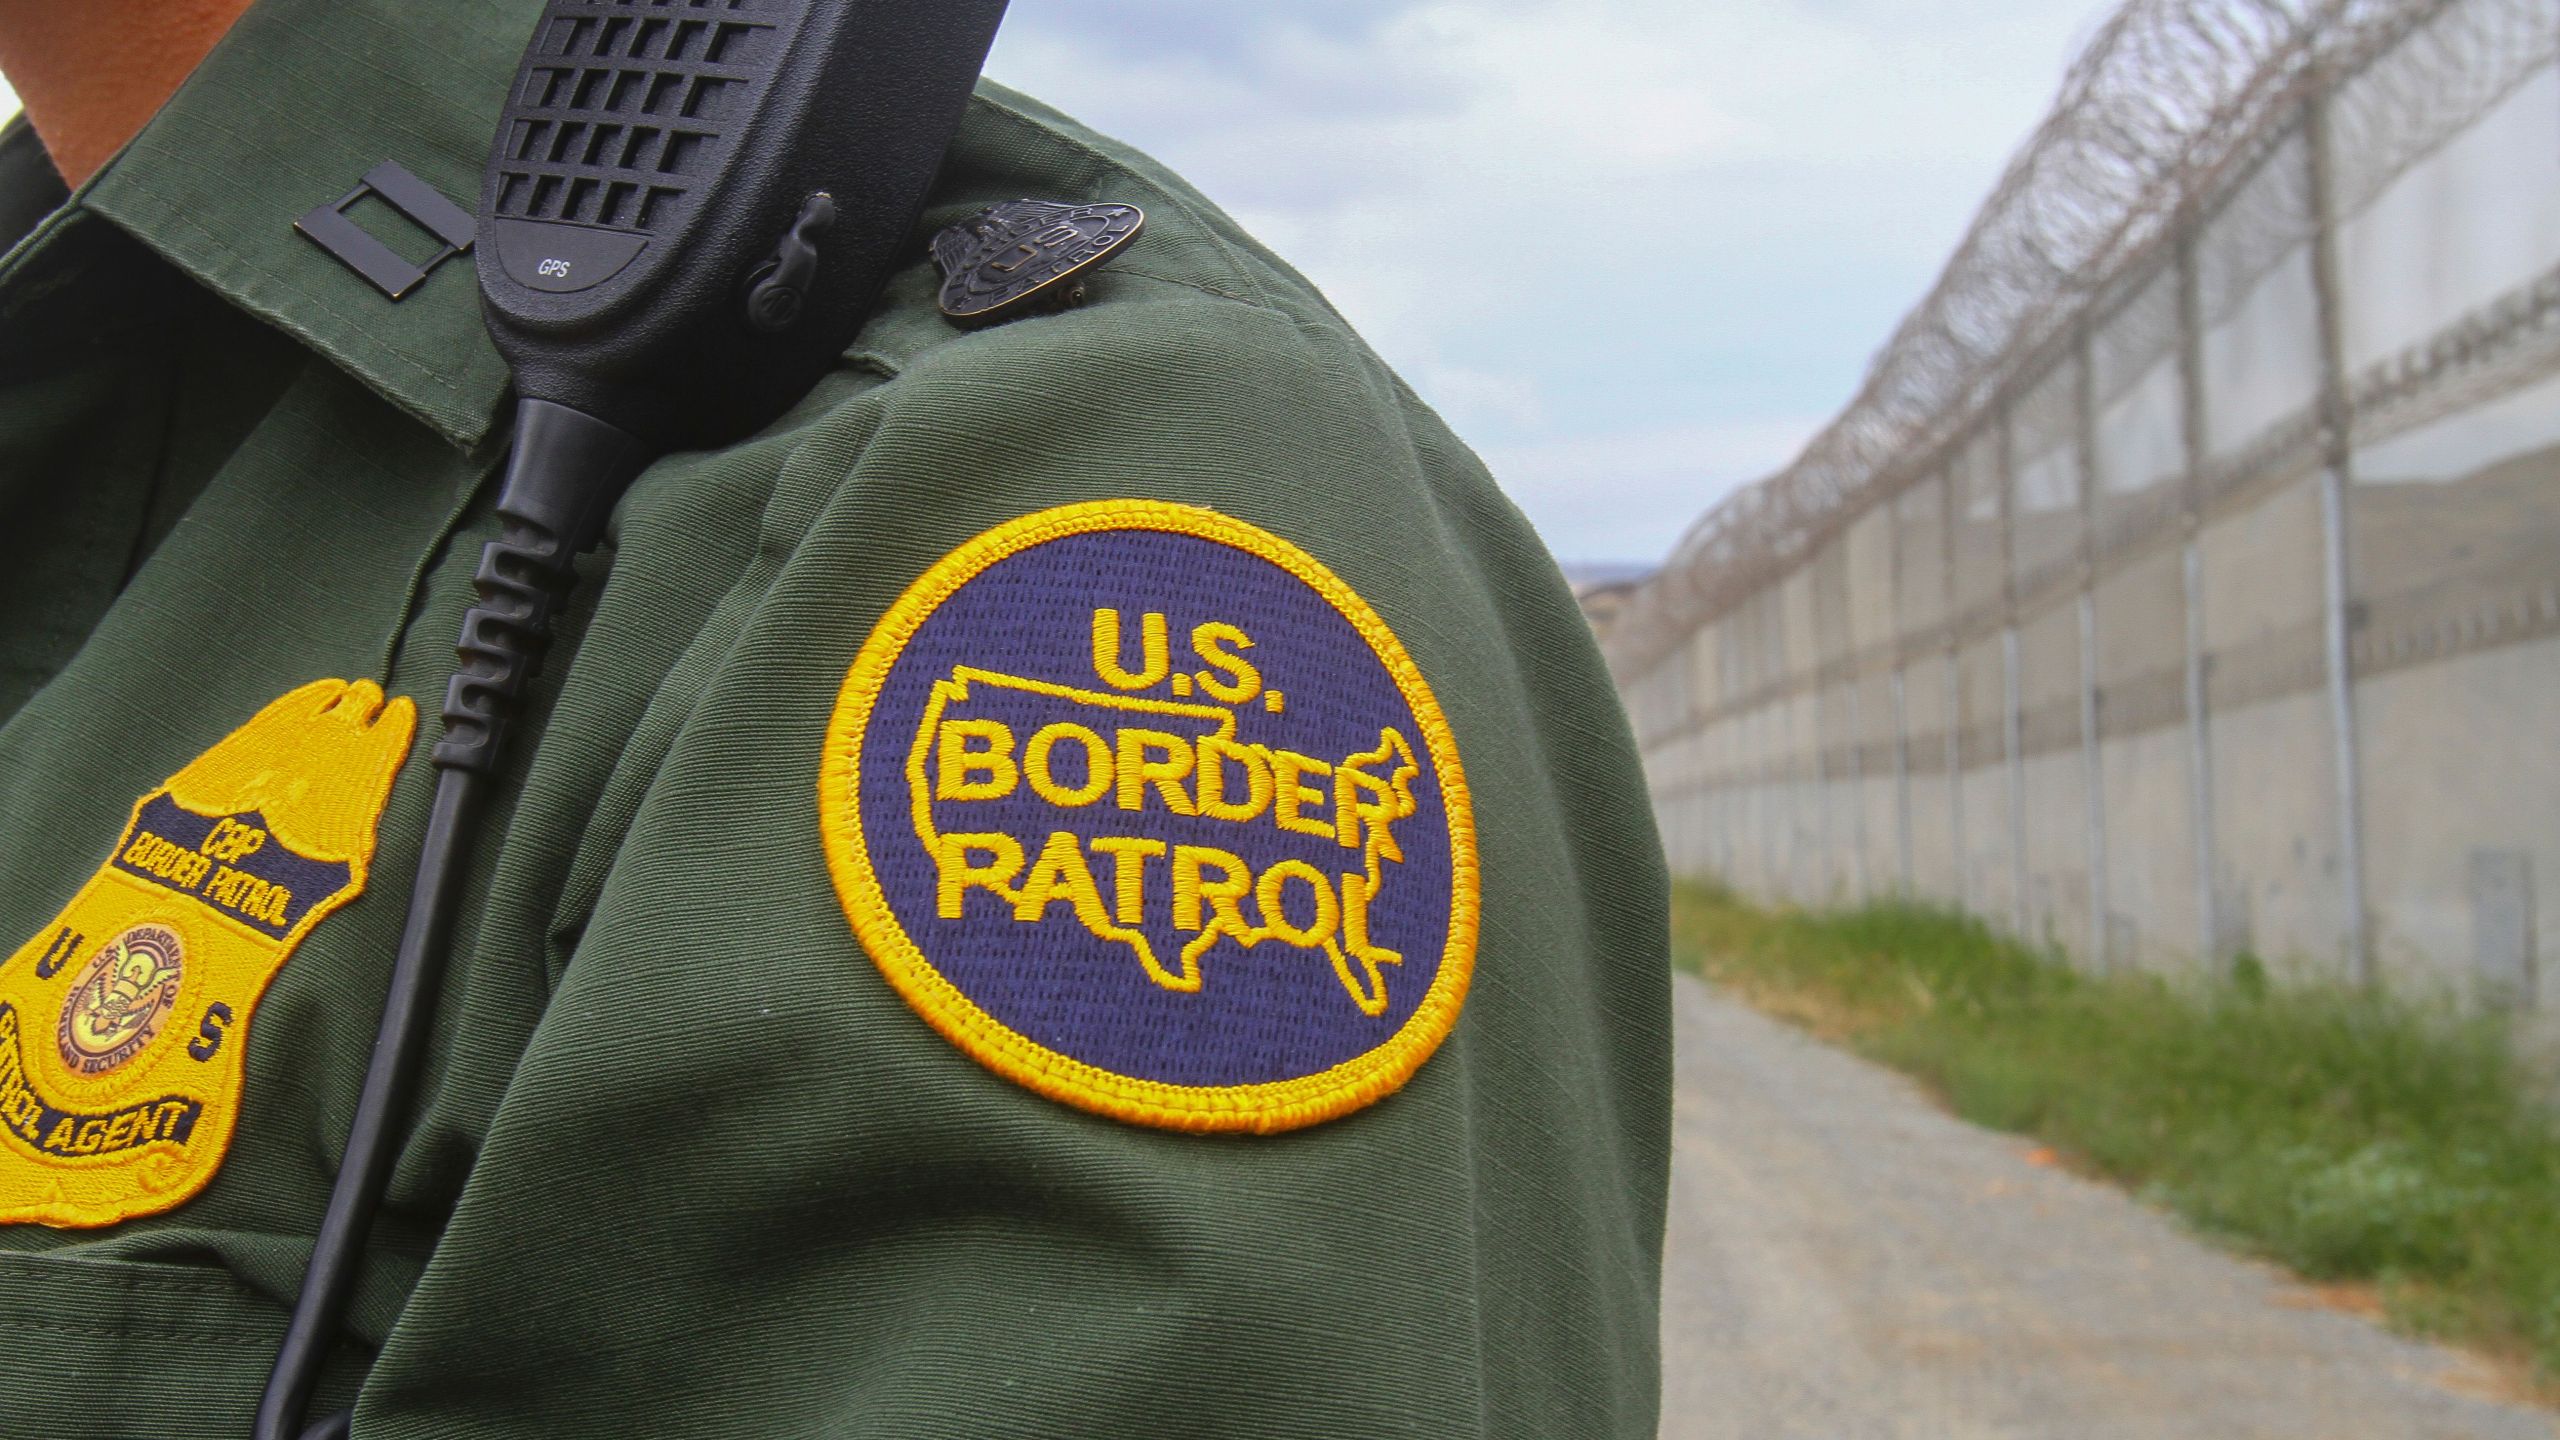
{"x":29,"y":248}
{"x":137,"y":1332}
{"x":187,"y":1287}
{"x":1211,"y":291}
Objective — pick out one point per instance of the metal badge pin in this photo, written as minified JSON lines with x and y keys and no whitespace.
{"x":1025,"y":256}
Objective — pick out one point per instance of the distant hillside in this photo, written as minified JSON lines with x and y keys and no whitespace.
{"x":1586,"y":576}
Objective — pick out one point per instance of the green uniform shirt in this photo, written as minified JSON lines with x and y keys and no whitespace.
{"x":683,"y":1162}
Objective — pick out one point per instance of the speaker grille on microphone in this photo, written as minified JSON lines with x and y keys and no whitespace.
{"x":621,"y":108}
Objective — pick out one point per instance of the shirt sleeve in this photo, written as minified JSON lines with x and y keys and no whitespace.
{"x":740,"y":1186}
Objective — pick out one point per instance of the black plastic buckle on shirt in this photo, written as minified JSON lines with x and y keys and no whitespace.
{"x":330,"y":229}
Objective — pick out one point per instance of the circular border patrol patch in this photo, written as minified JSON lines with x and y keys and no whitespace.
{"x":1146,"y":809}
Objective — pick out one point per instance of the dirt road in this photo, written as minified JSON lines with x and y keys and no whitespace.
{"x":1847,"y":1261}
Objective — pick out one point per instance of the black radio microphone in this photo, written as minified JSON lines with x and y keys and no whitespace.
{"x":689,"y":208}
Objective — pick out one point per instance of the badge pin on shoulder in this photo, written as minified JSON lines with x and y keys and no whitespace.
{"x":1028,"y":256}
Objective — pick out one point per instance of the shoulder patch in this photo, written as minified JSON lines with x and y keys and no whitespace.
{"x":1145,"y":809}
{"x":124,"y":1020}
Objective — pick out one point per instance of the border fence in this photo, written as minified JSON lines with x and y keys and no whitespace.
{"x":2184,"y":581}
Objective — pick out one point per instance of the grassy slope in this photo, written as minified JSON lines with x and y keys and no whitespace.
{"x":2352,"y":1138}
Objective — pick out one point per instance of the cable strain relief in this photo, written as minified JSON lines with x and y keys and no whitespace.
{"x":567,"y":472}
{"x":562,"y":481}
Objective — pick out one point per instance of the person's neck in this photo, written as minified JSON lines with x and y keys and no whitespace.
{"x":92,"y":72}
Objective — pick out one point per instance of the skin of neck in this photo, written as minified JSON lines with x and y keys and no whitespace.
{"x":91,"y":73}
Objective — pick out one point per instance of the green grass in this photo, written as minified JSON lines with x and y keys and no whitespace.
{"x":2352,"y":1137}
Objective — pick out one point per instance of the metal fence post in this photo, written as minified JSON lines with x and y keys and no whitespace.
{"x":1954,"y":687}
{"x":2013,"y":754}
{"x":1901,"y":784}
{"x":2197,"y":447}
{"x":2093,"y":779}
{"x":1718,"y":802}
{"x":1720,"y":811}
{"x":1765,"y":795}
{"x":2092,"y":761}
{"x":1901,"y":714}
{"x":2012,"y":705}
{"x":1955,"y":781}
{"x":1822,"y":791}
{"x":1858,"y":791}
{"x":2336,"y":431}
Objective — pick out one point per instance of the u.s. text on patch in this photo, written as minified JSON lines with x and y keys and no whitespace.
{"x":1146,"y":809}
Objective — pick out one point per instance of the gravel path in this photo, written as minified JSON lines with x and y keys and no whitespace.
{"x":1847,"y":1261}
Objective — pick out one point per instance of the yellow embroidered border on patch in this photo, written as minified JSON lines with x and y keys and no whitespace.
{"x":1288,"y":924}
{"x":124,"y":1020}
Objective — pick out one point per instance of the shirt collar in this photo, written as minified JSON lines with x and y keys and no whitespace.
{"x":288,"y":113}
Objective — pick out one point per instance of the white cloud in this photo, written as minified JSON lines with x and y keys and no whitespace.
{"x":1575,"y":224}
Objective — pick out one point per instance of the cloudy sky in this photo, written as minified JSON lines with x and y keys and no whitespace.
{"x":1636,"y":251}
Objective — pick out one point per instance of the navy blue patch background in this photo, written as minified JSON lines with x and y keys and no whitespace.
{"x":1274,"y":1012}
{"x":310,"y":881}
